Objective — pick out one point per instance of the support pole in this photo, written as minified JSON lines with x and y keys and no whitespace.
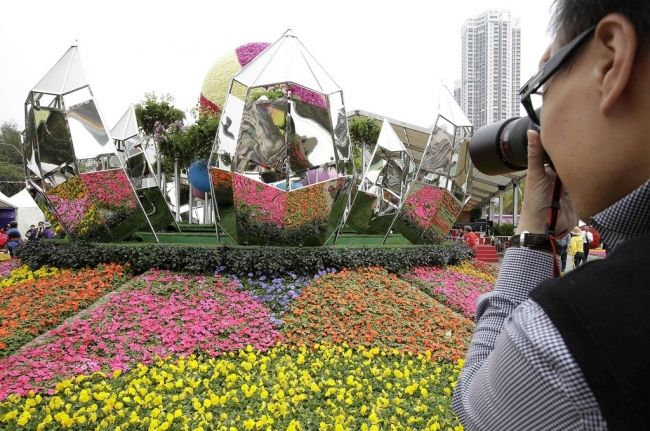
{"x":501,"y":192}
{"x":177,"y":191}
{"x":205,"y":209}
{"x":190,"y":205}
{"x":515,"y":202}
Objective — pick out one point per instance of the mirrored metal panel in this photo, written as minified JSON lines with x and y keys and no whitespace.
{"x":131,"y":148}
{"x":383,"y":185}
{"x":89,"y":137}
{"x":48,"y":140}
{"x":340,"y":125}
{"x":263,"y":142}
{"x":71,"y":163}
{"x":311,"y":142}
{"x":435,"y":200}
{"x":222,"y":192}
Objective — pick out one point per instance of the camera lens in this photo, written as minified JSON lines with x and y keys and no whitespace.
{"x":502,"y":147}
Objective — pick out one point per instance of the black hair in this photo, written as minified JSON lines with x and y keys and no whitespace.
{"x":572,"y":17}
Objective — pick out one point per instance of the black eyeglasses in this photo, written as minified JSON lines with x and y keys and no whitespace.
{"x":533,"y":85}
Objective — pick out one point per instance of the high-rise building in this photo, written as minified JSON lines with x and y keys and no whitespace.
{"x":458,"y":91}
{"x":491,"y":73}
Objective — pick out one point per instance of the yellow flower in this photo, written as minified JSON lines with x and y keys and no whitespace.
{"x":84,"y":396}
{"x":24,"y":418}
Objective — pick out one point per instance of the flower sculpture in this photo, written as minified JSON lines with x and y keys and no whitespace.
{"x":280,"y":164}
{"x":217,"y":80}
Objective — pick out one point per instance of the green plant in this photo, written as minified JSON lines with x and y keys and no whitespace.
{"x":156,"y":108}
{"x":504,"y":229}
{"x":238,"y":260}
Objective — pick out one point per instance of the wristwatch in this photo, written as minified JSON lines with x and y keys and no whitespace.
{"x":533,"y":241}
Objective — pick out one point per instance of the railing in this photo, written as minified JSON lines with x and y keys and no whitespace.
{"x":501,"y":243}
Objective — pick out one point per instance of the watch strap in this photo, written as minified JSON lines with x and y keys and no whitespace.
{"x":532,"y":241}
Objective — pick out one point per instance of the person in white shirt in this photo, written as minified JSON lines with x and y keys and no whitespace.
{"x":587,"y":237}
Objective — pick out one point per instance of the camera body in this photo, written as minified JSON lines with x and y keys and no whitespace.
{"x":502,"y":147}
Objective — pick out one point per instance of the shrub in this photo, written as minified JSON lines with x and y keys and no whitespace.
{"x":240,"y":261}
{"x":504,"y":229}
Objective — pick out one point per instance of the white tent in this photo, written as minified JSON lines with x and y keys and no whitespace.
{"x":27,"y":212}
{"x":5,"y":202}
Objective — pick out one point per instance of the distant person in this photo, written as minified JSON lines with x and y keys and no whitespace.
{"x":587,"y":237}
{"x":32,"y":233}
{"x":4,"y":238}
{"x":470,"y":237}
{"x":576,"y":247}
{"x":40,"y":229}
{"x":47,"y":230}
{"x":15,"y":238}
{"x":563,"y":248}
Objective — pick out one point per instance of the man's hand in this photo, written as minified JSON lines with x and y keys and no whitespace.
{"x":538,"y":194}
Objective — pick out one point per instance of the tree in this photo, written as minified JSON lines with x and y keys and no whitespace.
{"x":157,"y":109}
{"x":12,"y":173}
{"x":10,"y":143}
{"x":508,"y":198}
{"x":364,"y":132}
{"x":181,"y":145}
{"x":199,"y":138}
{"x":157,"y":113}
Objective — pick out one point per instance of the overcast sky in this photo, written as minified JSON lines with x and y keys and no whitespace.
{"x":388,"y":57}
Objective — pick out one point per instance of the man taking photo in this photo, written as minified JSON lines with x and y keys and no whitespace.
{"x":571,"y":352}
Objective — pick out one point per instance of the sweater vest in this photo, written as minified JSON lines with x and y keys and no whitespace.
{"x":602,"y":311}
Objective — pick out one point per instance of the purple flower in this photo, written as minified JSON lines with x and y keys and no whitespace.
{"x":247,"y":53}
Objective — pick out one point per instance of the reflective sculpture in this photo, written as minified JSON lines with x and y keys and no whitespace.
{"x":217,"y":81}
{"x":437,"y":195}
{"x":131,"y":150}
{"x":279,"y":166}
{"x":71,"y":165}
{"x":383,"y":186}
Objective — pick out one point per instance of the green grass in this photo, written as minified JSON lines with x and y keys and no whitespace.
{"x":208,"y":238}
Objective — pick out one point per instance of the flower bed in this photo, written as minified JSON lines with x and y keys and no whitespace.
{"x":156,"y":315}
{"x":356,"y":349}
{"x":458,"y":287}
{"x":6,"y":266}
{"x":288,"y":388}
{"x":22,"y":273}
{"x":31,"y":307}
{"x":370,"y":307}
{"x":276,"y":292}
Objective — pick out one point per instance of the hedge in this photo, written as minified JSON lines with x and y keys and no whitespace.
{"x":238,"y":260}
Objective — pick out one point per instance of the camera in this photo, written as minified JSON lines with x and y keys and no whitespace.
{"x":502,"y":147}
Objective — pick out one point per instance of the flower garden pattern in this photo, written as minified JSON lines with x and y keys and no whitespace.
{"x":339,"y":350}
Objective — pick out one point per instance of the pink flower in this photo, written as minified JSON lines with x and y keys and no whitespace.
{"x":158,"y":315}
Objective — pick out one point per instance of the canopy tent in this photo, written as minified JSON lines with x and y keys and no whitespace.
{"x":7,"y":210}
{"x":27,"y":212}
{"x":481,"y":188}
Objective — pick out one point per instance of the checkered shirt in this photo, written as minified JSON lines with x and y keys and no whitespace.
{"x":519,"y":374}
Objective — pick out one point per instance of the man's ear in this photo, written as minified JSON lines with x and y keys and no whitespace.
{"x":615,"y":42}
